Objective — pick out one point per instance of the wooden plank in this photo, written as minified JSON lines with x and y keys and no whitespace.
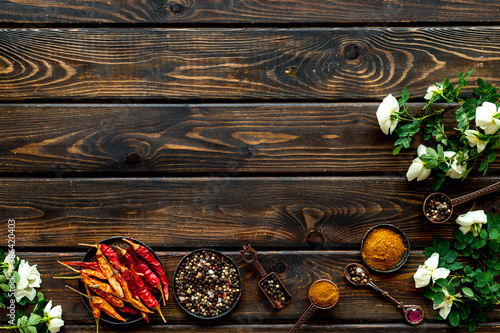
{"x":356,"y":304}
{"x":310,"y":328}
{"x":43,"y":12}
{"x":224,"y":139}
{"x":221,"y":64}
{"x":270,"y":213}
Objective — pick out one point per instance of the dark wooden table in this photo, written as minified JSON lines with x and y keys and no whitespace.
{"x":218,"y":123}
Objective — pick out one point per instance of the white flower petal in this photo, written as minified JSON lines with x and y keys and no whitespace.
{"x":484,"y":118}
{"x":440,"y":273}
{"x":424,"y":174}
{"x":421,"y":150}
{"x":384,"y":112}
{"x":55,"y":324}
{"x":433,"y":261}
{"x":422,"y":276}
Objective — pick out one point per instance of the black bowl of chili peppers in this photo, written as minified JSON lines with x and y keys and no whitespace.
{"x":207,"y":284}
{"x":138,"y":266}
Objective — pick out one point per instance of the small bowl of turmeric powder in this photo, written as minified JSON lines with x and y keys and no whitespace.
{"x":385,"y":248}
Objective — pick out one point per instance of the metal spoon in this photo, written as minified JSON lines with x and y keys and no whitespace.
{"x":458,"y":200}
{"x":312,"y":307}
{"x":413,"y":314}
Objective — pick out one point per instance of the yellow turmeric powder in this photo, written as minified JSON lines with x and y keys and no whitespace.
{"x":324,"y":293}
{"x":383,"y":248}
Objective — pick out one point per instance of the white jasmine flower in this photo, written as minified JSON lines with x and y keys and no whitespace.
{"x":456,"y":171}
{"x":30,"y":279}
{"x":53,"y":317}
{"x":417,"y":168}
{"x":430,"y":270}
{"x":472,"y":221}
{"x":384,"y":114}
{"x":473,"y":138}
{"x":431,"y":91}
{"x":445,"y":306}
{"x":485,"y":118}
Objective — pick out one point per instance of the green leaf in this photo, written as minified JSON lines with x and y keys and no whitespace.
{"x":495,"y":287}
{"x":439,"y":298}
{"x":31,"y":329}
{"x":494,"y":246}
{"x":480,"y":284}
{"x":16,"y":276}
{"x":396,"y":150}
{"x":451,"y":289}
{"x":468,"y":292}
{"x":483,"y":234}
{"x":493,"y":234}
{"x":472,"y":325}
{"x":428,"y":293}
{"x":454,"y":318}
{"x":429,"y":251}
{"x":443,"y":247}
{"x":441,"y":282}
{"x":450,"y":256}
{"x":4,"y":287}
{"x":34,"y":319}
{"x":456,"y":266}
{"x":460,"y":246}
{"x":469,"y":237}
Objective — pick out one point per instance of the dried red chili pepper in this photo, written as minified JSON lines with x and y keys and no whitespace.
{"x":95,"y":311}
{"x":113,"y":300}
{"x":107,"y":251}
{"x":148,"y":275}
{"x":102,"y":305}
{"x":145,"y":294}
{"x":82,"y":264}
{"x":128,"y":296}
{"x":94,"y":273}
{"x":108,"y":273}
{"x":153,"y":263}
{"x":96,"y":284}
{"x":126,"y":309}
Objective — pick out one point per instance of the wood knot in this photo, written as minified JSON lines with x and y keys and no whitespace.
{"x":315,"y":239}
{"x":132,"y":159}
{"x":351,"y":51}
{"x":494,"y":210}
{"x":279,"y":267}
{"x":177,"y":9}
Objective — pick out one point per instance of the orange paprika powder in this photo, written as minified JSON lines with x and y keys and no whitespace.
{"x":383,"y":248}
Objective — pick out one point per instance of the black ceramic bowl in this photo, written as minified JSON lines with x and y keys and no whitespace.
{"x":228,"y":261}
{"x":404,"y":256}
{"x":90,"y":256}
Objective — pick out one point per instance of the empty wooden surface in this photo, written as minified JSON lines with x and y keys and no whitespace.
{"x":41,"y":12}
{"x":189,"y":124}
{"x":281,"y":64}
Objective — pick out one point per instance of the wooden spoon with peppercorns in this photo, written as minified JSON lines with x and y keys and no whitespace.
{"x":438,"y":207}
{"x":358,"y":275}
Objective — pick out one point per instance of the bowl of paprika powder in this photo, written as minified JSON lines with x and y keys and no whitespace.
{"x":385,"y":248}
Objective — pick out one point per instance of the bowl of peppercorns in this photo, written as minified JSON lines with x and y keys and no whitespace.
{"x":207,"y":284}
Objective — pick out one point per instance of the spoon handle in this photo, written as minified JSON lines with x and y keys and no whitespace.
{"x":303,"y":318}
{"x":478,"y":193}
{"x":385,"y":293}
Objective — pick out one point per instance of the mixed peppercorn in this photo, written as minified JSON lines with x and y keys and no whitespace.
{"x":358,"y":275}
{"x":438,"y":208}
{"x":207,"y":284}
{"x":274,"y":290}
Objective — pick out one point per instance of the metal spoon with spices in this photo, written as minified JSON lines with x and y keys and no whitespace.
{"x":438,"y":207}
{"x":323,"y":294}
{"x":358,"y":275}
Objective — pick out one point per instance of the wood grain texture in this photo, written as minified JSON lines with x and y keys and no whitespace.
{"x":41,"y":12}
{"x":303,"y":213}
{"x":310,"y":328}
{"x":297,"y":271}
{"x":221,"y":64}
{"x":224,"y":139}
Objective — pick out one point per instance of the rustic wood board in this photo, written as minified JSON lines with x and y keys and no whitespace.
{"x":219,"y":139}
{"x":42,"y":12}
{"x":270,"y":213}
{"x":256,"y":64}
{"x":356,"y":304}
